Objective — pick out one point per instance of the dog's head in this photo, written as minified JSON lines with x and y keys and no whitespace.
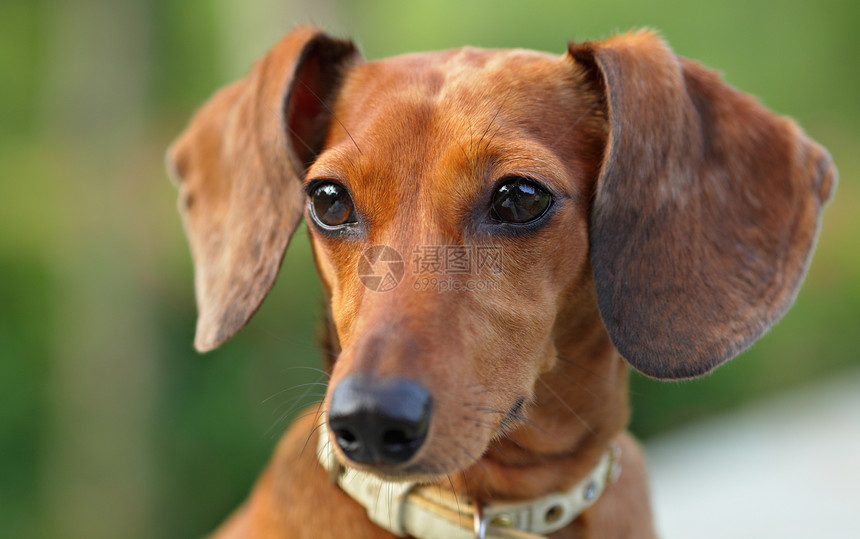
{"x":472,"y":210}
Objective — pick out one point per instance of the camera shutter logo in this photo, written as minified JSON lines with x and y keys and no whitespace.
{"x":381,"y":268}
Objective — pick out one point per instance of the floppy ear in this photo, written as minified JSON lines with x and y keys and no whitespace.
{"x":705,"y":211}
{"x":239,"y":165}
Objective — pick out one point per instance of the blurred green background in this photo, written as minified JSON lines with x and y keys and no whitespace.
{"x":110,"y":425}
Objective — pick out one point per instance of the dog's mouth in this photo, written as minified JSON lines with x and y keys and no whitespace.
{"x":421,"y":466}
{"x":422,"y":471}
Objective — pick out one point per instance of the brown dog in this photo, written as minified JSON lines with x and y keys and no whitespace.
{"x":616,"y":204}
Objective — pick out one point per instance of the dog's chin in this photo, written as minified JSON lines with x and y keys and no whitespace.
{"x":422,"y":470}
{"x":418,"y":472}
{"x":417,"y":477}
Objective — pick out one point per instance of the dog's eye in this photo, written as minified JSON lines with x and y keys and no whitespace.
{"x":331,"y":205}
{"x":519,"y":200}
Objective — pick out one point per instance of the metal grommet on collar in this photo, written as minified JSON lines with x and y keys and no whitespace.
{"x":590,"y":490}
{"x":614,"y":462}
{"x":480,"y":523}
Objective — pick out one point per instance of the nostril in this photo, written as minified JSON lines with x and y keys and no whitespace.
{"x":396,"y":441}
{"x":347,"y":440}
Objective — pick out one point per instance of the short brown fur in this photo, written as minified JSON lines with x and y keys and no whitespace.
{"x":684,"y":218}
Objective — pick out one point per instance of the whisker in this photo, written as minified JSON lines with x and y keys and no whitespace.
{"x":480,"y":422}
{"x":283,"y":417}
{"x":566,"y":405}
{"x":316,"y":427}
{"x":586,"y":369}
{"x":309,"y":412}
{"x":573,"y":126}
{"x":496,"y":115}
{"x":307,"y":146}
{"x":465,"y":154}
{"x":579,"y":384}
{"x":297,"y":386}
{"x":333,"y":115}
{"x":294,"y":403}
{"x":474,"y":459}
{"x":454,"y":492}
{"x":308,"y":368}
{"x":466,"y":481}
{"x":507,"y":427}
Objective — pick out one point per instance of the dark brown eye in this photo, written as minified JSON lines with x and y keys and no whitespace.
{"x":519,"y":200}
{"x":331,"y":205}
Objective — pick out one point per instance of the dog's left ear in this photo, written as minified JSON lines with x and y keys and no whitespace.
{"x":239,"y":165}
{"x":705,"y":211}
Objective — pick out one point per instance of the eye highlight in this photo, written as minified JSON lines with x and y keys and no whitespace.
{"x":519,"y":200}
{"x":331,"y":206}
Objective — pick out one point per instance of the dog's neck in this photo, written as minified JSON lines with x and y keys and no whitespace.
{"x":580,"y":405}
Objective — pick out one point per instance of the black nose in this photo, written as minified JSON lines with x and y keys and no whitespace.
{"x":379,"y":421}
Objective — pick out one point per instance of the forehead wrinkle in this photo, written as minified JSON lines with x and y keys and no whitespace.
{"x":387,"y":175}
{"x":412,"y":119}
{"x":464,"y":176}
{"x":337,"y":161}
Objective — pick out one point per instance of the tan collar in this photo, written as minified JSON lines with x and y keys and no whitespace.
{"x":424,"y":512}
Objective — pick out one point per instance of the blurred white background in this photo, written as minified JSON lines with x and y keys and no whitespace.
{"x":785,"y":467}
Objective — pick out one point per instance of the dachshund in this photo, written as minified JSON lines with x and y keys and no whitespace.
{"x":500,"y":236}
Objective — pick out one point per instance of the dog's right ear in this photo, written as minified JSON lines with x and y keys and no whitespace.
{"x":239,"y":166}
{"x":705,"y":212}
